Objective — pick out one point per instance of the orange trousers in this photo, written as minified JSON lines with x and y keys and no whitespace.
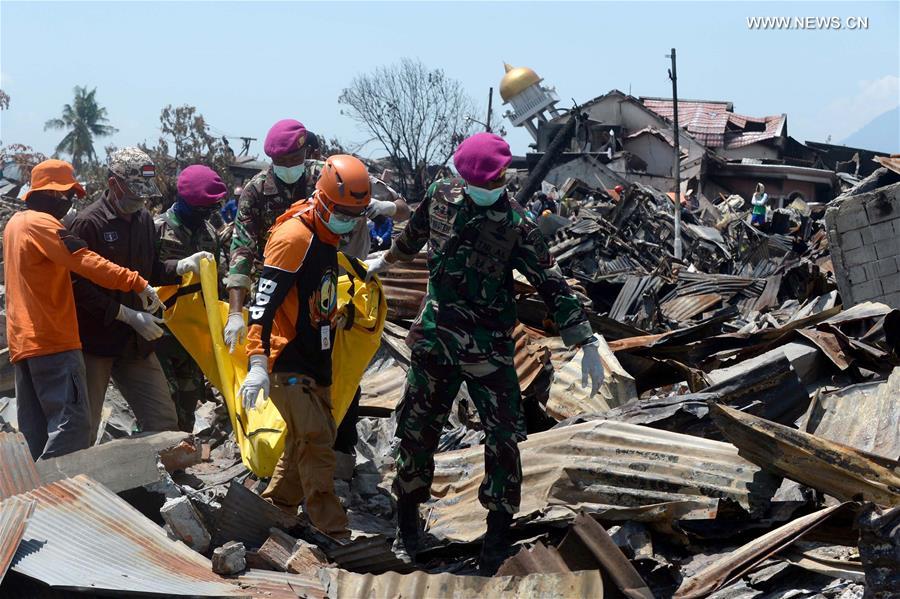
{"x":305,"y":472}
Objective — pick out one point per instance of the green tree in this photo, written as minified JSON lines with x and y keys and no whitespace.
{"x":83,"y":119}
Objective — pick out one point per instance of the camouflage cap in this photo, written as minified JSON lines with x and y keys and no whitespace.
{"x":134,"y":166}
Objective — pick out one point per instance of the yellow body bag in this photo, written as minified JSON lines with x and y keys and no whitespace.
{"x":197,"y":318}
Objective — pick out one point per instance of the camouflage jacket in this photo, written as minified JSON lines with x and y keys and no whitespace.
{"x":176,"y":241}
{"x":264,"y":199}
{"x":470,"y":309}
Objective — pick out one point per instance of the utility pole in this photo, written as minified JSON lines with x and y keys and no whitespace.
{"x":487,"y":125}
{"x":674,"y":77}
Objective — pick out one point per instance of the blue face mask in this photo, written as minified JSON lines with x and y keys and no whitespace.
{"x":338,"y":223}
{"x":289,"y":174}
{"x":484,"y":197}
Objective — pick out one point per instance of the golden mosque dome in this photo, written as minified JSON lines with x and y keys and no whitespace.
{"x":516,"y":80}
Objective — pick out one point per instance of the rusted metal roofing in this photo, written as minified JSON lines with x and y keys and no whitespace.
{"x":265,"y":584}
{"x":14,"y":514}
{"x":838,"y":470}
{"x":83,"y":536}
{"x":892,"y":163}
{"x":17,"y":471}
{"x":736,"y":563}
{"x":714,"y":125}
{"x":680,"y":309}
{"x":404,"y":287}
{"x":588,"y":538}
{"x":537,"y":559}
{"x":382,"y":389}
{"x":604,"y":466}
{"x":450,"y":586}
{"x":864,"y":416}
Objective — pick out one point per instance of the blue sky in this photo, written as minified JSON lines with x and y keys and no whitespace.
{"x":246,"y":65}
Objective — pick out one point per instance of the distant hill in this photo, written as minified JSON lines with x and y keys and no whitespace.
{"x":881,"y":133}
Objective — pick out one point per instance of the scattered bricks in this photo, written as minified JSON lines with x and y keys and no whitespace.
{"x":850,"y":218}
{"x":883,"y":268}
{"x":851,"y":240}
{"x":866,"y":291}
{"x":229,"y":559}
{"x":185,"y":523}
{"x":880,"y":231}
{"x":861,"y":255}
{"x":180,"y":456}
{"x":887,"y":247}
{"x":284,"y":553}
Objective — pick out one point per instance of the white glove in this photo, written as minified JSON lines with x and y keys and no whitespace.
{"x":149,"y":300}
{"x":235,"y":330}
{"x":591,"y":366}
{"x":257,"y":380}
{"x":192,"y":263}
{"x":146,"y":325}
{"x":381,"y":208}
{"x":376,"y":266}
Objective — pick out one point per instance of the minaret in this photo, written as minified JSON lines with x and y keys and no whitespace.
{"x":521,"y":87}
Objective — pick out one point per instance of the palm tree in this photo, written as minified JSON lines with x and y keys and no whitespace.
{"x":83,"y":119}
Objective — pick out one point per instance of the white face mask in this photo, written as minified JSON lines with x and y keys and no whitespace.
{"x":484,"y":197}
{"x":289,"y":174}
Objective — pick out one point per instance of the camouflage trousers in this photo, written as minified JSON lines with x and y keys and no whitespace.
{"x":184,"y":377}
{"x":427,"y":400}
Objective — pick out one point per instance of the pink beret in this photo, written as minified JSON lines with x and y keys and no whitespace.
{"x":481,"y":158}
{"x":199,"y":185}
{"x":285,"y":137}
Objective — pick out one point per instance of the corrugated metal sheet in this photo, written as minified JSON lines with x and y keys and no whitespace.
{"x":536,"y":560}
{"x":709,"y":122}
{"x":687,"y":307}
{"x":382,"y":389}
{"x":892,"y":163}
{"x":17,"y":472}
{"x":265,"y":584}
{"x":568,"y":398}
{"x":736,"y":563}
{"x":404,"y":287}
{"x":83,"y":536}
{"x":865,"y":416}
{"x":367,"y":555}
{"x":247,"y":517}
{"x":838,"y":470}
{"x":449,"y":586}
{"x":599,"y":465}
{"x":14,"y":514}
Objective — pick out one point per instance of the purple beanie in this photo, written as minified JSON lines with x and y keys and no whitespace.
{"x":200,"y":186}
{"x":481,"y":158}
{"x":285,"y":137}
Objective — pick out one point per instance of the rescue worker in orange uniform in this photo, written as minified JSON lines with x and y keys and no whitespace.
{"x":39,"y":255}
{"x":292,"y":328}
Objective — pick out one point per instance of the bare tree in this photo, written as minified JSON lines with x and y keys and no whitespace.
{"x":185,"y":140}
{"x":417,"y":114}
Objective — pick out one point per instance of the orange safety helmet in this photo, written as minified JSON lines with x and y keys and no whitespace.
{"x":345,"y":181}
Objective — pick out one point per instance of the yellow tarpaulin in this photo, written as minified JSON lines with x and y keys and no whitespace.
{"x":197,"y":317}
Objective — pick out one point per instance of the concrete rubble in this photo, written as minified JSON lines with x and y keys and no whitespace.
{"x":745,"y":442}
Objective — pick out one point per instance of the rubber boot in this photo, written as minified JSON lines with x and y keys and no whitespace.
{"x":406,"y":545}
{"x":495,"y":548}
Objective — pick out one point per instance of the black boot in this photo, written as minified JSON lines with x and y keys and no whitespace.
{"x":406,"y":545}
{"x":496,"y":545}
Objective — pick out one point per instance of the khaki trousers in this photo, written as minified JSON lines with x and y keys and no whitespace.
{"x":141,"y":382}
{"x":305,"y":471}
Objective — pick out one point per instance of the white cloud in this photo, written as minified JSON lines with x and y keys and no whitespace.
{"x":848,"y":114}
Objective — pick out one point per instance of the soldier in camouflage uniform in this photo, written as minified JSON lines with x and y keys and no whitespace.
{"x":183,"y":230}
{"x":289,"y":179}
{"x":476,"y":236}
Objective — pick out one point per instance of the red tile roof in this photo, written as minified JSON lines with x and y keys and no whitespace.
{"x":713,"y":125}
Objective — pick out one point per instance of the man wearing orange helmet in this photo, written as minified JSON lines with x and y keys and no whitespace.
{"x":292,"y":332}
